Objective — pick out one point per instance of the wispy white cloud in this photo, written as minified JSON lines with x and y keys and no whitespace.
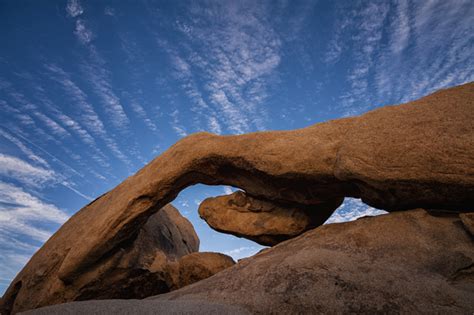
{"x":59,"y":123}
{"x":74,"y":8}
{"x":10,"y":241}
{"x":20,"y":170}
{"x":336,"y":44}
{"x":51,"y":156}
{"x":77,"y":129}
{"x":395,"y":50}
{"x":235,"y":119}
{"x":137,"y":69}
{"x":401,"y":27}
{"x":176,"y":125}
{"x":156,"y":149}
{"x":52,"y":125}
{"x":70,"y":186}
{"x":235,"y":57}
{"x":140,"y":111}
{"x":371,"y":19}
{"x":20,"y":210}
{"x":96,"y":73}
{"x":435,"y":22}
{"x":182,"y":72}
{"x":94,"y":69}
{"x":214,"y":125}
{"x":25,"y":111}
{"x":89,"y":117}
{"x":27,"y":151}
{"x":99,"y":77}
{"x":83,"y":33}
{"x":34,"y":176}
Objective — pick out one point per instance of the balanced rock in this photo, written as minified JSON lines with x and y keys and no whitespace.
{"x":399,"y":263}
{"x":264,"y":222}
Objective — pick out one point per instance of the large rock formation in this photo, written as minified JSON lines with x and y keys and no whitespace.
{"x":414,"y":155}
{"x":407,"y":262}
{"x":420,"y":154}
{"x":149,"y":263}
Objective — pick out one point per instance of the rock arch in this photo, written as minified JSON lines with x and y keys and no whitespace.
{"x":393,"y":158}
{"x":420,"y":154}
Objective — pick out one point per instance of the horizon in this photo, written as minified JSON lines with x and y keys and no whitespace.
{"x":91,"y":91}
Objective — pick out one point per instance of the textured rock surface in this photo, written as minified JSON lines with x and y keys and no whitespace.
{"x":468,"y":221}
{"x":264,"y":222}
{"x":198,"y":266}
{"x":142,"y":307}
{"x":134,"y":270}
{"x":420,"y":154}
{"x":406,"y":262}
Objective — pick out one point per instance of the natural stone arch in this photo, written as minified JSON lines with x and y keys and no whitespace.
{"x":393,"y":158}
{"x":420,"y":154}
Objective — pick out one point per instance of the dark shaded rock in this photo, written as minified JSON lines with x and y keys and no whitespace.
{"x":264,"y":222}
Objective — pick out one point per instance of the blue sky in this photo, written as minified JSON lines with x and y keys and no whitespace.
{"x":90,"y":91}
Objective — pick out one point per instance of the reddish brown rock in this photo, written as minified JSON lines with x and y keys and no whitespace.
{"x":199,"y":266}
{"x":468,"y":221}
{"x":264,"y":222}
